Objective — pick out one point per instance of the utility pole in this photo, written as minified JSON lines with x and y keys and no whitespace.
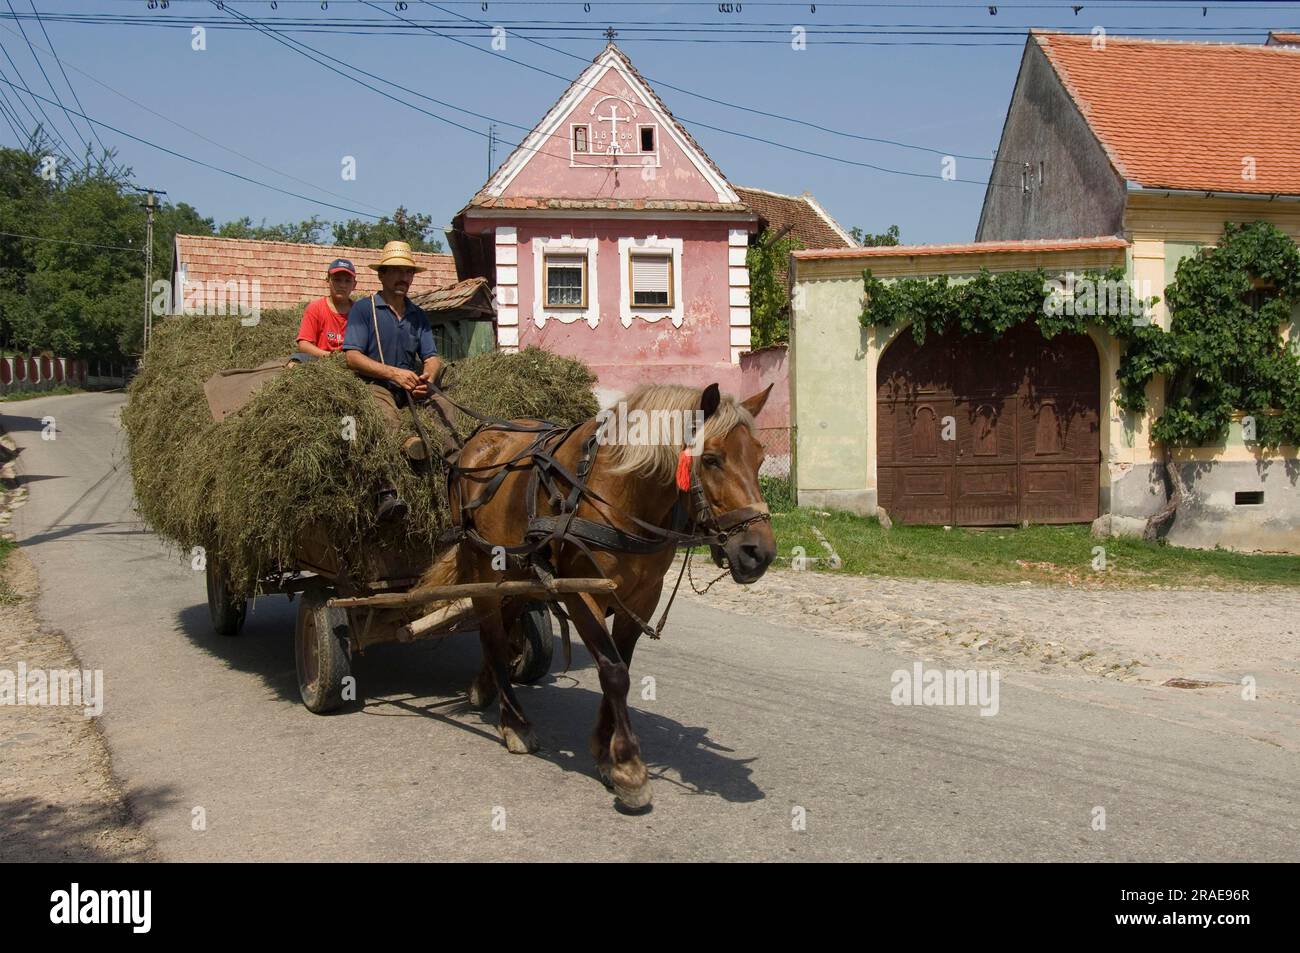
{"x":492,"y":141}
{"x":148,"y":205}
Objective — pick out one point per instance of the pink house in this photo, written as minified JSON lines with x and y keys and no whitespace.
{"x":608,"y":234}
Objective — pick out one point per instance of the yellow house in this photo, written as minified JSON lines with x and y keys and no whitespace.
{"x":1115,"y":153}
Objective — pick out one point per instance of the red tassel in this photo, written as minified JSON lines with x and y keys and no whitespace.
{"x":684,"y":471}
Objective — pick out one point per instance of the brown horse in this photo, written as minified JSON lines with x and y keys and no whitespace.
{"x":634,"y":485}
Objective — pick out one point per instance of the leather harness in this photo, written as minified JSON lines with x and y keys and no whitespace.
{"x":694,"y":522}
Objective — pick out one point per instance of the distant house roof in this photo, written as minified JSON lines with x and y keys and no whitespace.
{"x":1187,"y":116}
{"x":289,"y":273}
{"x":1279,"y":38}
{"x":473,"y":295}
{"x":811,"y":224}
{"x":1103,"y":242}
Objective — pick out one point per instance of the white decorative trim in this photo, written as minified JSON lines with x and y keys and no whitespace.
{"x":507,"y":291}
{"x":540,"y":137}
{"x":652,"y":243}
{"x":737,"y":256}
{"x":565,"y":245}
{"x":738,"y":311}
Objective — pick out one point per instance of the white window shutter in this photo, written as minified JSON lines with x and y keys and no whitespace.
{"x":650,"y":273}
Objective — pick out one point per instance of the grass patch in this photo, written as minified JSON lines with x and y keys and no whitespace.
{"x":33,"y":394}
{"x":8,"y":596}
{"x":1063,"y":555}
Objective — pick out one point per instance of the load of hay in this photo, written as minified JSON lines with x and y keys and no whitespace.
{"x":289,"y":462}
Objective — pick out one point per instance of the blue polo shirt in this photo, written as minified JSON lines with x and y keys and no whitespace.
{"x":406,"y":343}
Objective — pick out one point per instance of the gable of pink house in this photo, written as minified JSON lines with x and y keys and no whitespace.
{"x":609,"y":235}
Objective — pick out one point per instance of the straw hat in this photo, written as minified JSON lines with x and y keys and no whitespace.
{"x":397,"y":255}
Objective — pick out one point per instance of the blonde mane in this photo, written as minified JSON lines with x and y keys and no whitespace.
{"x":657,"y":459}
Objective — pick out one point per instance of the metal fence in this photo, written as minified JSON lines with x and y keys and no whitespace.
{"x":775,"y":475}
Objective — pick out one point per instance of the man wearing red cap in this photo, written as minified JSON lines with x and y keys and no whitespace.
{"x":325,"y":319}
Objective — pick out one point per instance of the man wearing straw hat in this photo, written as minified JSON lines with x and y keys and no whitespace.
{"x":389,"y":341}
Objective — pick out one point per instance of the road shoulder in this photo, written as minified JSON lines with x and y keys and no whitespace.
{"x":59,"y":798}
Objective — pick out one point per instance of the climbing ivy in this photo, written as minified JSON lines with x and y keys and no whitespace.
{"x":1223,"y":352}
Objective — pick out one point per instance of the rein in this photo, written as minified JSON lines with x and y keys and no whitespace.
{"x":701,"y":524}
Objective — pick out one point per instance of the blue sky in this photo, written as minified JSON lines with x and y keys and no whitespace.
{"x":283,"y":109}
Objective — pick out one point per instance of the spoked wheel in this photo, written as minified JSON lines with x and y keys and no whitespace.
{"x":225,"y":610}
{"x":533,"y":641}
{"x":321,"y":654}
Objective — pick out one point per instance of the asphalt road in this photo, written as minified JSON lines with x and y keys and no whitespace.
{"x":751,"y":727}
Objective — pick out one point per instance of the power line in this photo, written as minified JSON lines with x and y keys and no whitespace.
{"x":69,"y":241}
{"x":761,"y":112}
{"x":704,"y":125}
{"x":21,"y":85}
{"x":208,"y":165}
{"x":195,"y":132}
{"x":72,"y":89}
{"x":77,"y":132}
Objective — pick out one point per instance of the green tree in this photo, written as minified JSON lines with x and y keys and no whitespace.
{"x":769,"y":301}
{"x":308,"y":232}
{"x":415,"y":228}
{"x":867,"y":240}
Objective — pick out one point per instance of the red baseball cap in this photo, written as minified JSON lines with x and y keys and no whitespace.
{"x":342,"y":264}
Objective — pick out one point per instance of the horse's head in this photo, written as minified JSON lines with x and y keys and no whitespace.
{"x":728,"y":500}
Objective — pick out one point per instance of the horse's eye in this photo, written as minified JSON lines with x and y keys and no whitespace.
{"x":712,"y":460}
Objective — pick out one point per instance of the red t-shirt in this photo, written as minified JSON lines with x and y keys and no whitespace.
{"x":322,"y":325}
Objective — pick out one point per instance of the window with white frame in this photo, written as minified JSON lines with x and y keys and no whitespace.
{"x":580,"y":134}
{"x":650,"y":278}
{"x":566,"y":281}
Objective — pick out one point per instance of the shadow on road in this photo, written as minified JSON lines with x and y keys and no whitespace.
{"x":429,"y":679}
{"x":36,"y":830}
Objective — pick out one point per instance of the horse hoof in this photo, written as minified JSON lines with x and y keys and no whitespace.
{"x":519,"y":743}
{"x":603,"y":771}
{"x":635,"y":799}
{"x":480,"y":698}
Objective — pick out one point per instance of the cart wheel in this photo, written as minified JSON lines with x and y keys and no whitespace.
{"x":225,"y":610}
{"x":321,"y":654}
{"x":533,"y":639}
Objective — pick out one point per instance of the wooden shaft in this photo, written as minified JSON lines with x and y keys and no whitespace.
{"x":469,"y":590}
{"x":448,"y":617}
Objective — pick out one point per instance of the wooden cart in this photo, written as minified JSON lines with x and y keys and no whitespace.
{"x":346,"y":608}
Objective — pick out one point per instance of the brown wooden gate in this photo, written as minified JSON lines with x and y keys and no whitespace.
{"x":978,"y":432}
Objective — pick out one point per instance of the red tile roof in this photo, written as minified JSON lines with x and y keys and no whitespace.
{"x":289,"y":273}
{"x":809,"y":222}
{"x":1181,"y":115}
{"x":967,"y":248}
{"x":1277,"y":36}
